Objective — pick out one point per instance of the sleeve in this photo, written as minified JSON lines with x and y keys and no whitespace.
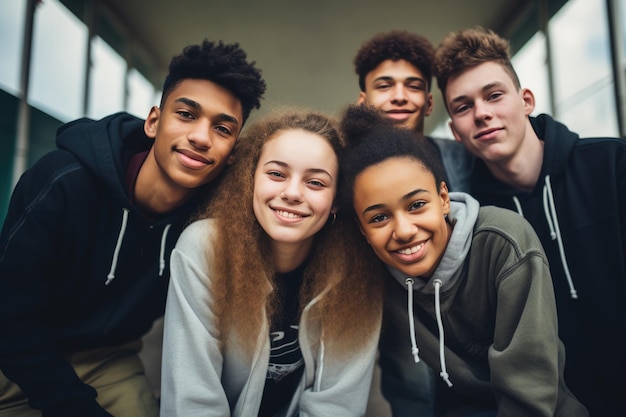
{"x":192,"y":361}
{"x":29,"y":245}
{"x":524,"y":356}
{"x":341,"y":385}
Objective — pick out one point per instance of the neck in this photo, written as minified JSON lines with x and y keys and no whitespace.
{"x":289,"y":256}
{"x":521,"y":171}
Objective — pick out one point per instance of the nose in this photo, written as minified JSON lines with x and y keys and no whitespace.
{"x":292,"y":192}
{"x":482,"y":111}
{"x":399,"y":94}
{"x":200,"y":134}
{"x":404,"y":229}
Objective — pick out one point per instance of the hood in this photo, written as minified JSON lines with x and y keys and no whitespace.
{"x":463,"y":215}
{"x":104,"y":146}
{"x":559,"y":142}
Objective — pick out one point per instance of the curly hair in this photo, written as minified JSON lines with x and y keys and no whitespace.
{"x":394,"y":45}
{"x":340,"y":260}
{"x":223,"y":64}
{"x":371,"y":139}
{"x":468,"y":48}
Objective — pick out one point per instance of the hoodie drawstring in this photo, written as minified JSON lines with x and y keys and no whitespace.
{"x":320,"y":366}
{"x":555,"y":231}
{"x":414,"y":350}
{"x":442,"y":359}
{"x":162,"y":252}
{"x":118,"y":246}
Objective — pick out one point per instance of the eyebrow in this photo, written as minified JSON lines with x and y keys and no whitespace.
{"x":309,"y":170}
{"x":221,"y":116}
{"x":409,"y":79}
{"x":486,"y":87}
{"x":408,"y":195}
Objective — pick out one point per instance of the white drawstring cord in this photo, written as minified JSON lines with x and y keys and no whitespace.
{"x":518,"y":206}
{"x":162,"y":252}
{"x":414,"y":350}
{"x":547,"y":189}
{"x":442,"y":359}
{"x":118,"y":246}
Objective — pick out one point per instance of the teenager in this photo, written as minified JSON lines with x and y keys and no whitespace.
{"x":471,"y":285}
{"x":572,"y":191}
{"x":84,"y":251}
{"x":395,"y":75}
{"x":274,"y":309}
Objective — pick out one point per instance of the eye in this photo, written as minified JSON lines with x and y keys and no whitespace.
{"x":317,"y":183}
{"x":378,"y":218}
{"x":276,"y":174}
{"x":495,"y":95}
{"x":416,"y":205}
{"x":185,"y":114}
{"x":415,"y":87}
{"x":224,"y":130}
{"x":383,"y":86}
{"x":462,"y":108}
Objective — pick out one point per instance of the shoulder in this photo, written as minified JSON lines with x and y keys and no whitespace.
{"x":196,"y":235}
{"x":501,"y":227}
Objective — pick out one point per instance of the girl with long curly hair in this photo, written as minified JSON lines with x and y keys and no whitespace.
{"x":275,"y":302}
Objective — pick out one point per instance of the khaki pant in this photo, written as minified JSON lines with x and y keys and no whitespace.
{"x":115,"y":372}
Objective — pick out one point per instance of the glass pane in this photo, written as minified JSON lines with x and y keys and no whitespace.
{"x":58,"y":63}
{"x":11,"y":39}
{"x":530,"y":64}
{"x":141,"y":94}
{"x":582,"y":67}
{"x":106,"y":86}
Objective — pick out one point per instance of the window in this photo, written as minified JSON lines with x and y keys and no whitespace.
{"x":530,"y":64}
{"x":141,"y":95}
{"x":581,"y":60}
{"x":11,"y":39}
{"x":58,"y":61}
{"x":106,"y":86}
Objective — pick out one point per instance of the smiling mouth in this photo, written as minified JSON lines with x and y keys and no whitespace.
{"x":409,"y":251}
{"x":194,"y":156}
{"x":485,"y":133}
{"x":289,"y":214}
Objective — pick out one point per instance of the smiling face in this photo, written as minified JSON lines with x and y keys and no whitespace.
{"x":400,"y":90}
{"x":295,"y":183}
{"x":489,"y":114}
{"x":401,"y":214}
{"x":194,"y":133}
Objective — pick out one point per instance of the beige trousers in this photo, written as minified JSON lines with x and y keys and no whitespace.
{"x":116,"y":373}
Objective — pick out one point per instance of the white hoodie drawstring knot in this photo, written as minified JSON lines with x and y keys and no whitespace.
{"x":442,"y":359}
{"x":414,"y":350}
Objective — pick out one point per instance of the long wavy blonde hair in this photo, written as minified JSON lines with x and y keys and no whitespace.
{"x":243,"y":269}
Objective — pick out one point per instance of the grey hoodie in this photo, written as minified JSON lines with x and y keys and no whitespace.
{"x":486,"y":319}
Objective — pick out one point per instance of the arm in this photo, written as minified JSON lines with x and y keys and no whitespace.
{"x":31,"y":269}
{"x":524,"y":356}
{"x":192,"y":362}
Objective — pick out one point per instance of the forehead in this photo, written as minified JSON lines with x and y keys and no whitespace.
{"x":208,"y":95}
{"x":400,"y":69}
{"x":477,"y":78}
{"x":392,"y":179}
{"x":300,"y":148}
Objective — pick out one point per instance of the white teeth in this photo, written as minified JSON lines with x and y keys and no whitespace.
{"x":409,"y":251}
{"x":288,"y":215}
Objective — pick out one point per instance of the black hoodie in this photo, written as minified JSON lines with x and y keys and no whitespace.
{"x":582,"y":191}
{"x":80,"y":266}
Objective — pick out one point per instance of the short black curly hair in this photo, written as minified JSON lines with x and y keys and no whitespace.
{"x":223,"y":64}
{"x":394,"y":45}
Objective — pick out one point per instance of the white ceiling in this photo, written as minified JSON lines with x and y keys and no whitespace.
{"x":305,"y":48}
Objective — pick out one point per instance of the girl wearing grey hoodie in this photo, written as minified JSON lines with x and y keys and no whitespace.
{"x":471,"y":286}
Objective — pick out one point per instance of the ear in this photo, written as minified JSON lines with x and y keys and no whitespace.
{"x":430,"y":105}
{"x":456,"y":135}
{"x":150,"y":126}
{"x":529,"y":101}
{"x":362,"y":97}
{"x":445,"y":198}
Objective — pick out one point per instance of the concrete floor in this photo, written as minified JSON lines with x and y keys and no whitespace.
{"x":151,"y":356}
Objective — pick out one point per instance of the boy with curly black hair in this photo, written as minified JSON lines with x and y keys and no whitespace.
{"x":84,"y":251}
